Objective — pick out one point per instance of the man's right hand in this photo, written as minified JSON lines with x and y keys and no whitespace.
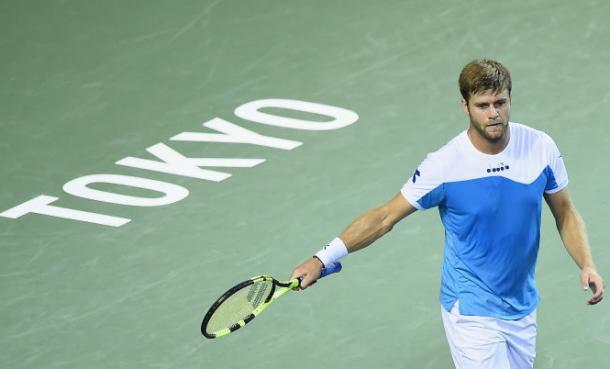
{"x":309,"y":272}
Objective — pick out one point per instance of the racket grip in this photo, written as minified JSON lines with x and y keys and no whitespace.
{"x":330,"y":269}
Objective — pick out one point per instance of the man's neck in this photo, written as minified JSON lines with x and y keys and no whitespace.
{"x":486,"y":146}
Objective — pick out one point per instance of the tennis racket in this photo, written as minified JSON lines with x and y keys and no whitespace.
{"x":246,"y":300}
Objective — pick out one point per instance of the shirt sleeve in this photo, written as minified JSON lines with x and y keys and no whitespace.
{"x":424,"y":189}
{"x":558,"y":179}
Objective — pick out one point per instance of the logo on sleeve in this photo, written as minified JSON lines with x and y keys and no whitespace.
{"x":415,"y":175}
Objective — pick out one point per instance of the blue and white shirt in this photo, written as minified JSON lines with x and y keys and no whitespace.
{"x":490,"y":206}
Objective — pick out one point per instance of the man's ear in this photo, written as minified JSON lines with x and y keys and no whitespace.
{"x":464,"y":105}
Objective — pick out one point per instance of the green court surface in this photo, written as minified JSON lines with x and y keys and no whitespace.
{"x":86,"y":84}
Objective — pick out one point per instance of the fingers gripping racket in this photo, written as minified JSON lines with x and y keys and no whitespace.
{"x":246,"y":300}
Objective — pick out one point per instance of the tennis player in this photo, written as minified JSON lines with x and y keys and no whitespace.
{"x":488,"y":183}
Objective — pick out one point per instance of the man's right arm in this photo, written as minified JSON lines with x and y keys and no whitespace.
{"x":365,"y":230}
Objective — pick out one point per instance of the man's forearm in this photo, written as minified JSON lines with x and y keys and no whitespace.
{"x":574,"y":236}
{"x":366,"y":229}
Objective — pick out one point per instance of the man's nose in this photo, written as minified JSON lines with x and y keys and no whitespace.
{"x":493,"y":112}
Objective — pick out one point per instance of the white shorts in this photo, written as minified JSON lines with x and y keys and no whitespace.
{"x":490,"y":343}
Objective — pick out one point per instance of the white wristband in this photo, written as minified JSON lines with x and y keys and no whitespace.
{"x":332,"y":252}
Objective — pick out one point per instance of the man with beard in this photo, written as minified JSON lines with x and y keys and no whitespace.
{"x":488,"y":184}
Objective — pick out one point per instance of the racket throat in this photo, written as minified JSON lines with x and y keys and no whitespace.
{"x":271,"y":294}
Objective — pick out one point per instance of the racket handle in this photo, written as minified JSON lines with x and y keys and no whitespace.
{"x":330,"y":269}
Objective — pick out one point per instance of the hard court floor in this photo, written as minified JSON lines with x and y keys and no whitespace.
{"x":86,"y":84}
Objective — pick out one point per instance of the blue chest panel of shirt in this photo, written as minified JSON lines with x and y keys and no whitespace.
{"x":492,"y":233}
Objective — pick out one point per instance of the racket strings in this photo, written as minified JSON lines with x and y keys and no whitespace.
{"x":239,"y":305}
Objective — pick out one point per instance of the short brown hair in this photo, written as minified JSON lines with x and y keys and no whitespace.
{"x":482,"y":75}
